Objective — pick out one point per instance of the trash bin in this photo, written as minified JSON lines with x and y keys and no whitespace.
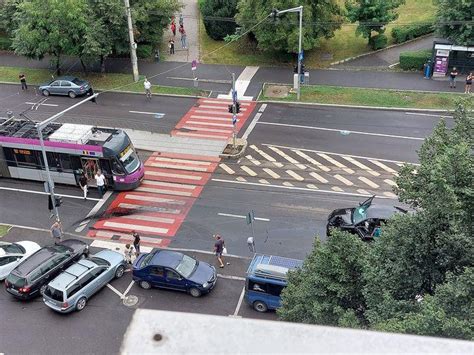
{"x":427,"y":70}
{"x":157,"y":55}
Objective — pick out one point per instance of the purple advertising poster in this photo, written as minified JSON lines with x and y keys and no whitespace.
{"x":441,"y":65}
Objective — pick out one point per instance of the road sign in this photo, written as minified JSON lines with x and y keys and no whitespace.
{"x":234,"y":95}
{"x":301,"y":56}
{"x":234,"y":120}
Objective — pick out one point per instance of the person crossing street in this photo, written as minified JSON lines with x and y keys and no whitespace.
{"x":147,"y":86}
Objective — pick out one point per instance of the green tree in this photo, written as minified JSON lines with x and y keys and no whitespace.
{"x":226,"y":10}
{"x":320,"y":19}
{"x":448,"y":313}
{"x":372,"y":16}
{"x":328,"y":288}
{"x":455,"y":21}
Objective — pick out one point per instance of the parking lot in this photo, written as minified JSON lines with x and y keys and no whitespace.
{"x":100,"y":326}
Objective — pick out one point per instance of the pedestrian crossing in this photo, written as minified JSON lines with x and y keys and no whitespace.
{"x":157,"y":208}
{"x":210,"y":119}
{"x":315,"y":170}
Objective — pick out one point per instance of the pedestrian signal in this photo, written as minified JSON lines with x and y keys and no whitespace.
{"x":237,"y":107}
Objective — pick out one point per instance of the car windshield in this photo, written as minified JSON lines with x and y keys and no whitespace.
{"x":147,"y":259}
{"x":12,"y":248}
{"x":186,"y":266}
{"x":16,"y":280}
{"x":99,"y":261}
{"x":359,"y":214}
{"x":129,"y":159}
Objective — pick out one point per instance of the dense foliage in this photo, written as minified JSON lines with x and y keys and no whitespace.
{"x":405,"y":33}
{"x":226,"y":10}
{"x":414,"y":60}
{"x":455,"y":21}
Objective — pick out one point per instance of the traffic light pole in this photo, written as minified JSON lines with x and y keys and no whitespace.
{"x":234,"y":111}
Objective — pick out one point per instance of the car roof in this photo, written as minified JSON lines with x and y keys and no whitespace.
{"x":36,"y":259}
{"x":66,"y":77}
{"x":166,"y":258}
{"x":72,"y":273}
{"x":381,"y":211}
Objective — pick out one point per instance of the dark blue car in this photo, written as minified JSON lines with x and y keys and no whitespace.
{"x":174,"y":270}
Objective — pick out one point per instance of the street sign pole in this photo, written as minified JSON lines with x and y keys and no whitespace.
{"x":48,"y":174}
{"x":234,"y":109}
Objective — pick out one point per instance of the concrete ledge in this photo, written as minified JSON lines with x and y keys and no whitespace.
{"x":239,"y":142}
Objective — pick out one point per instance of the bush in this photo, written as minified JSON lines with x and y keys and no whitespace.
{"x":378,"y":42}
{"x":217,"y":30}
{"x":404,"y":33}
{"x":5,"y":43}
{"x":414,"y":60}
{"x":144,"y":51}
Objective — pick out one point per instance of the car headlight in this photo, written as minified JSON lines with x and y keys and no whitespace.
{"x":205,"y":284}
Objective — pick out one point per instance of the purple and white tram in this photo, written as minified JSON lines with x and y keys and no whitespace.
{"x":71,"y":149}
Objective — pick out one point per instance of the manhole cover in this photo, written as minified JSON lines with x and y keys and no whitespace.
{"x":130,"y":301}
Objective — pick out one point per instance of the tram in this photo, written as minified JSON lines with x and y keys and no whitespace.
{"x":71,"y":149}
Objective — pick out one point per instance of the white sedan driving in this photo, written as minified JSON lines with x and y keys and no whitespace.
{"x":11,"y":254}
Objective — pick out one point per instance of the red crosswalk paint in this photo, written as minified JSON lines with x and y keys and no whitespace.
{"x":158,"y":207}
{"x":210,"y":119}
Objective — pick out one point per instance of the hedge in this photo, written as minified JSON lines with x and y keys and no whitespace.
{"x":144,"y":51}
{"x":378,"y":42}
{"x":5,"y":43}
{"x":404,"y":33}
{"x":414,"y":60}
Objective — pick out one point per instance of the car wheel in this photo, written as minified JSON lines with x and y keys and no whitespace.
{"x":72,"y":94}
{"x":145,"y":285}
{"x":81,"y":304}
{"x":43,"y":289}
{"x":119,"y":272}
{"x":260,"y":306}
{"x":45,"y":92}
{"x":195,"y":292}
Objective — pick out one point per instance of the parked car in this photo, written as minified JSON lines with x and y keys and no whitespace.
{"x":65,"y":85}
{"x":11,"y":254}
{"x":71,"y":289}
{"x":31,"y":277}
{"x":361,"y":220}
{"x":174,"y":270}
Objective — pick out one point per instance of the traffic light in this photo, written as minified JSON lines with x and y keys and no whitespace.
{"x":237,"y":107}
{"x":231,"y":109}
{"x":58,"y":200}
{"x":302,"y":68}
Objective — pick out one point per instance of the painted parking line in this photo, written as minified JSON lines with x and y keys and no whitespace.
{"x":243,"y":217}
{"x":127,"y":290}
{"x":114,"y":290}
{"x":239,"y":303}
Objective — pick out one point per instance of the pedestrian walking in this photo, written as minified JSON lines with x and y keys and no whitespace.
{"x":83,"y":184}
{"x":467,"y":88}
{"x":219,"y":249}
{"x":181,"y":20}
{"x":452,"y":77}
{"x":100,"y":181}
{"x":57,"y":232}
{"x":136,"y":242}
{"x":128,"y":253}
{"x":183,"y":39}
{"x":22,"y":78}
{"x":147,"y":86}
{"x":171,"y":45}
{"x":173,"y":27}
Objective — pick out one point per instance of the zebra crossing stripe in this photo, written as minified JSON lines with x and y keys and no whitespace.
{"x":336,"y":188}
{"x":271,"y":173}
{"x":294,"y":175}
{"x":319,"y":178}
{"x":227,"y":169}
{"x":248,"y":170}
{"x":383,"y":166}
{"x":311,"y":186}
{"x":336,"y":163}
{"x":263,"y":181}
{"x":363,"y":192}
{"x":311,"y":160}
{"x":202,"y":123}
{"x":137,"y":227}
{"x":254,"y":161}
{"x":263,"y":154}
{"x":240,"y":178}
{"x":390,"y":182}
{"x":343,"y":180}
{"x":153,"y":199}
{"x":368,"y":182}
{"x":360,"y":165}
{"x":286,"y":183}
{"x":288,"y":158}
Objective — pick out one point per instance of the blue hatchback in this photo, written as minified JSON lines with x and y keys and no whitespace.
{"x":174,"y":270}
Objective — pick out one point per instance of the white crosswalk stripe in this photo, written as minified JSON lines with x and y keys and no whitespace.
{"x":252,"y":160}
{"x":178,"y":167}
{"x":240,"y":178}
{"x":360,"y":165}
{"x":151,"y":218}
{"x":248,"y":170}
{"x":390,"y":182}
{"x":343,"y":180}
{"x":266,"y":156}
{"x":336,"y":163}
{"x":263,"y":181}
{"x":179,"y":176}
{"x":368,"y":182}
{"x":288,"y":158}
{"x":294,"y":175}
{"x":336,"y":188}
{"x":132,"y":206}
{"x":363,"y":192}
{"x":153,"y":199}
{"x":163,"y":191}
{"x":271,"y":173}
{"x":209,"y":129}
{"x":311,"y":160}
{"x":319,"y":177}
{"x":210,"y":124}
{"x":135,"y":227}
{"x":210,"y":118}
{"x":383,"y":166}
{"x":227,"y":169}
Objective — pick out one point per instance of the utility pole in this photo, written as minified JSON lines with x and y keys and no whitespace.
{"x":133,"y":45}
{"x":234,"y":110}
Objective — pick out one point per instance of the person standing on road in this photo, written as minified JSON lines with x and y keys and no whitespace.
{"x":467,"y":88}
{"x":183,"y":37}
{"x":128,"y":253}
{"x":219,"y":246}
{"x":100,"y":181}
{"x":147,"y":86}
{"x":136,"y":242}
{"x":83,"y":184}
{"x":22,"y":78}
{"x":452,"y":78}
{"x":171,"y":45}
{"x":57,"y":232}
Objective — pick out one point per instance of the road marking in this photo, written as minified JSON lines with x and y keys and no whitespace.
{"x":427,"y":114}
{"x":172,"y":175}
{"x":210,"y":118}
{"x":151,"y":218}
{"x":336,"y":163}
{"x":227,"y":169}
{"x":254,"y":161}
{"x":392,"y":65}
{"x":240,"y":178}
{"x":192,"y":134}
{"x":342,"y":130}
{"x":145,"y":208}
{"x":266,"y":156}
{"x":337,"y":154}
{"x":337,"y":189}
{"x":368,"y":182}
{"x":362,"y":166}
{"x":211,"y":124}
{"x":178,"y":167}
{"x":128,"y":226}
{"x":312,"y":161}
{"x":219,"y":107}
{"x":170,"y":184}
{"x":41,"y":104}
{"x":93,"y":211}
{"x":271,"y":173}
{"x":207,"y":129}
{"x":287,"y":183}
{"x":254,"y":121}
{"x":148,"y":113}
{"x":230,"y":277}
{"x":239,"y":304}
{"x":288,"y":158}
{"x":46,"y":193}
{"x":383,"y":166}
{"x":240,"y":216}
{"x":248,"y":170}
{"x":343,"y":180}
{"x":319,"y":178}
{"x":294,"y":175}
{"x":362,"y":191}
{"x":390,"y":194}
{"x":311,"y":186}
{"x":298,"y":188}
{"x":115,"y":291}
{"x":263,"y":181}
{"x":128,"y":288}
{"x":390,"y":182}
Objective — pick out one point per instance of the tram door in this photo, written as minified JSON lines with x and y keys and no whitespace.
{"x":90,"y":167}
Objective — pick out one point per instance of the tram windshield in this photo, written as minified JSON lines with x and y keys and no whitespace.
{"x":129,"y":159}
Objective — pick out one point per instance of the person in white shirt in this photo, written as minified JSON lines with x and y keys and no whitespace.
{"x":100,"y":181}
{"x":147,"y":86}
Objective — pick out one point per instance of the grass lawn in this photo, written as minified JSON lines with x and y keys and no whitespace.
{"x":119,"y":82}
{"x":343,"y":45}
{"x":4,"y":229}
{"x":373,"y":97}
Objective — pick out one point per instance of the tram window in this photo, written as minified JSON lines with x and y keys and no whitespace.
{"x":117,"y":168}
{"x":65,"y":161}
{"x":26,"y":158}
{"x":53,"y":161}
{"x":9,"y":156}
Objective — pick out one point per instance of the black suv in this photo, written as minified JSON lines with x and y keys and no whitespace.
{"x":32,"y":275}
{"x":362,"y":220}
